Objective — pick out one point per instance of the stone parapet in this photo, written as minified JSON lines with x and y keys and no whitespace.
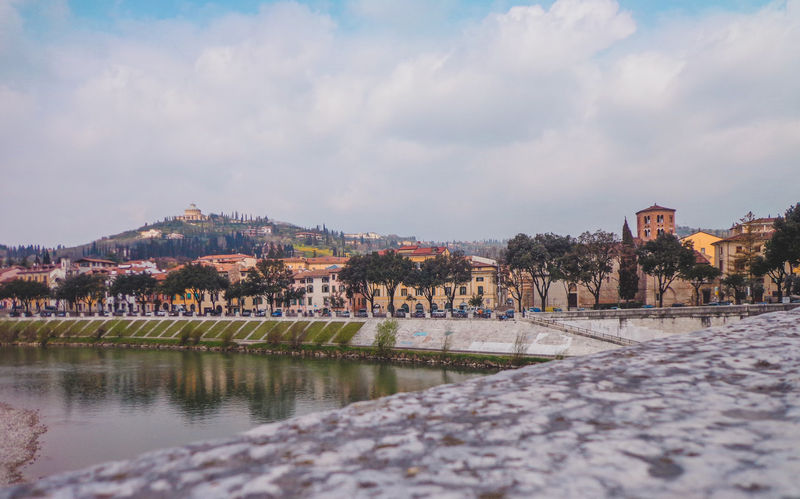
{"x":669,"y":312}
{"x":713,"y":413}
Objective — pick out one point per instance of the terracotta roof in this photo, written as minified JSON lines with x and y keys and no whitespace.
{"x":700,"y":258}
{"x":97,"y":260}
{"x":316,"y":273}
{"x":481,"y":265}
{"x":235,"y":256}
{"x":757,"y":236}
{"x":327,"y":259}
{"x":655,"y":207}
{"x":416,"y":250}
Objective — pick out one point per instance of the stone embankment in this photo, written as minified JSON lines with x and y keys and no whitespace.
{"x":713,"y":413}
{"x":19,"y":441}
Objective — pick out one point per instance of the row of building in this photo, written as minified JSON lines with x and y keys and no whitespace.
{"x":324,"y":291}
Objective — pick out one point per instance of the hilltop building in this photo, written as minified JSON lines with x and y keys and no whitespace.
{"x":192,"y":214}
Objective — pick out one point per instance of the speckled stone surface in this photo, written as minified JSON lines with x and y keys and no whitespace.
{"x":714,"y":413}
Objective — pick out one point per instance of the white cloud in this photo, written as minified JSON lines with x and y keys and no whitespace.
{"x":531,"y":119}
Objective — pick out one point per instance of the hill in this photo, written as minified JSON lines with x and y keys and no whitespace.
{"x":181,"y":239}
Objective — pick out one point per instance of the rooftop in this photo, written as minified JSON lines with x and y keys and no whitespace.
{"x":655,"y":207}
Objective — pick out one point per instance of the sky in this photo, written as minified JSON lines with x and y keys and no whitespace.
{"x":442,"y":119}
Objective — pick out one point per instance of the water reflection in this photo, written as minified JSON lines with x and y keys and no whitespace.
{"x":98,"y":403}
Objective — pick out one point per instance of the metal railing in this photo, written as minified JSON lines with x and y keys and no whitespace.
{"x":582,"y":331}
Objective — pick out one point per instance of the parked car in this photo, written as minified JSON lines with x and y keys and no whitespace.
{"x":459,"y":314}
{"x":439,"y":314}
{"x":419,"y":314}
{"x":345,"y":313}
{"x":483,"y":314}
{"x":400,"y":313}
{"x":61,"y":313}
{"x":648,"y":306}
{"x":277,"y":313}
{"x":160,"y":313}
{"x":678,"y":305}
{"x":362,"y":312}
{"x":534,"y":310}
{"x":261,"y":313}
{"x":15,"y":313}
{"x":188,"y":313}
{"x":174,"y":313}
{"x":45,"y":313}
{"x":509,"y":313}
{"x":246,"y":313}
{"x":379,"y":314}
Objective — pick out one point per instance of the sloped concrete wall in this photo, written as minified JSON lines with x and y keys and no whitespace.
{"x":483,"y":336}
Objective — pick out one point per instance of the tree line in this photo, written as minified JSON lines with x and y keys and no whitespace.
{"x":589,"y":261}
{"x":367,"y":274}
{"x":270,"y":279}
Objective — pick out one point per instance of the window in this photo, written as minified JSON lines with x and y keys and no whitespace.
{"x":647,"y":233}
{"x":447,"y":290}
{"x":377,"y":293}
{"x":660,"y":219}
{"x":419,"y":292}
{"x":647,"y":219}
{"x":660,"y":231}
{"x":333,"y":277}
{"x":479,"y":279}
{"x":480,"y":290}
{"x":341,"y":288}
{"x":310,"y":301}
{"x":326,"y":288}
{"x":462,"y":290}
{"x":404,"y":292}
{"x":703,"y":251}
{"x":325,"y":279}
{"x":309,"y":289}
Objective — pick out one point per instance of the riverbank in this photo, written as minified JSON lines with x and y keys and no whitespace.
{"x":707,"y":414}
{"x":19,"y":441}
{"x":398,"y":356}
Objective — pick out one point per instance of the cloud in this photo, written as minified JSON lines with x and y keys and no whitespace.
{"x":531,"y":119}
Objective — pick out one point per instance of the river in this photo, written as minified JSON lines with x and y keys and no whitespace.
{"x":107,"y":404}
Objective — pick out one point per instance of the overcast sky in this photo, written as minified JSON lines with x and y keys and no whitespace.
{"x":448,"y":119}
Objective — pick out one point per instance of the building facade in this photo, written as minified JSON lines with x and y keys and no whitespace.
{"x":655,"y":220}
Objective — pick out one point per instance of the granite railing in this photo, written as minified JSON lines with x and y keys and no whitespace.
{"x":714,"y":413}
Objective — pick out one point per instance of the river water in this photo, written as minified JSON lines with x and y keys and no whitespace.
{"x":106,"y":404}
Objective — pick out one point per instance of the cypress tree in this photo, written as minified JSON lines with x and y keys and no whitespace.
{"x":628,"y":276}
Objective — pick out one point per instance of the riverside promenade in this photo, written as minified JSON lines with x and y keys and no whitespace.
{"x":715,"y":413}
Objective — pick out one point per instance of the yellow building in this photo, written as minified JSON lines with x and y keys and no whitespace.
{"x":483,"y":282}
{"x":703,"y":242}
